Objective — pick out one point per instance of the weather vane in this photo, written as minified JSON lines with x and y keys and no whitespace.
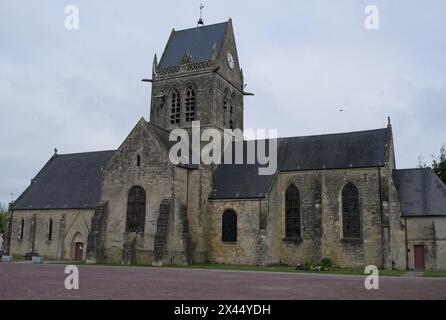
{"x":201,"y":20}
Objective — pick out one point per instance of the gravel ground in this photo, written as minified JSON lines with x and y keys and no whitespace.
{"x":46,"y":281}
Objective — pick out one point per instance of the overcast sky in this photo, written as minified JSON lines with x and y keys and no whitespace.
{"x":80,"y":90}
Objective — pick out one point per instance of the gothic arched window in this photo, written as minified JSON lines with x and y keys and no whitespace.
{"x":190,"y":104}
{"x":231,"y":112}
{"x":225,"y":106}
{"x":136,"y":210}
{"x":229,"y":226}
{"x":50,"y":230}
{"x":292,"y":213}
{"x":351,"y":219}
{"x":22,"y":228}
{"x":175,"y":107}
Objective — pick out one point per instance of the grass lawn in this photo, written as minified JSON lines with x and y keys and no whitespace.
{"x":344,"y":271}
{"x":18,"y":258}
{"x":434,"y":274}
{"x":286,"y":269}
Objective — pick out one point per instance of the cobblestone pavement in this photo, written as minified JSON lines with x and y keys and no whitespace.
{"x":28,"y":281}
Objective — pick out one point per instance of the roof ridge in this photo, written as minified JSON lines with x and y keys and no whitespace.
{"x":333,"y":134}
{"x":205,"y":26}
{"x":87,"y":152}
{"x":320,"y":135}
{"x":413,"y":169}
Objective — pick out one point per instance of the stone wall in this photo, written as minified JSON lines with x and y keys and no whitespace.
{"x":429,"y":232}
{"x":200,"y":184}
{"x":440,"y":242}
{"x":209,"y":90}
{"x":247,"y":248}
{"x":69,"y":226}
{"x":321,"y":216}
{"x":154,"y":174}
{"x":321,"y":223}
{"x":308,"y":248}
{"x":393,"y":234}
{"x":165,"y":188}
{"x":397,"y":233}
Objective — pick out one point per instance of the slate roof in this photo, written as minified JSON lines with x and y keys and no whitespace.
{"x":67,"y":181}
{"x":240,"y":182}
{"x":332,"y":151}
{"x":421,"y":192}
{"x":162,"y":134}
{"x":197,"y":42}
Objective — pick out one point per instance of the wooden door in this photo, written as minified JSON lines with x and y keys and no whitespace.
{"x":419,"y":257}
{"x":78,"y":251}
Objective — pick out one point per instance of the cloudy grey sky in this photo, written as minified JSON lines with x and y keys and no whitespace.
{"x":81,"y":90}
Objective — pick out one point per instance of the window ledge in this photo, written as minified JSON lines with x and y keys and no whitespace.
{"x":229,"y":242}
{"x":352,"y":240}
{"x":293,"y":240}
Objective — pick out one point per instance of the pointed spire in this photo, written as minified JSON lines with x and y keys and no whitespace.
{"x":187,"y":58}
{"x":389,"y":124}
{"x":155,"y":66}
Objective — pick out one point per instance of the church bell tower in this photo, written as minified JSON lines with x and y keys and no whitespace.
{"x":198,"y":78}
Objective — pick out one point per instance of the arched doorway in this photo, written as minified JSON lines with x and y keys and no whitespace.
{"x":78,"y":251}
{"x":77,"y":246}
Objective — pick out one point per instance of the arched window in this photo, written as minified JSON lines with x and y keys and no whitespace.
{"x":229,"y":226}
{"x":292,"y":213}
{"x":351,"y":220}
{"x":225,"y":107}
{"x":175,"y":107}
{"x":136,"y":210}
{"x":190,"y":104}
{"x":231,"y":112}
{"x":50,"y":230}
{"x":22,"y":228}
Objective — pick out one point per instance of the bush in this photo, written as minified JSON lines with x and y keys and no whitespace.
{"x":326,"y":263}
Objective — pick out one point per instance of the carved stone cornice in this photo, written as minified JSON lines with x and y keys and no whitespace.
{"x":185,"y":69}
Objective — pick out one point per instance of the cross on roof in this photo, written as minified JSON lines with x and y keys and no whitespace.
{"x":201,"y":20}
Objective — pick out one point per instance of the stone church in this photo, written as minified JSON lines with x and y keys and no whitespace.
{"x":338,"y":195}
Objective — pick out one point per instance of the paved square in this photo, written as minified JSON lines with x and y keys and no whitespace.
{"x":28,"y":281}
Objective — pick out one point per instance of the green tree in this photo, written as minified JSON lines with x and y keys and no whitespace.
{"x":3,"y":222}
{"x":439,"y":164}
